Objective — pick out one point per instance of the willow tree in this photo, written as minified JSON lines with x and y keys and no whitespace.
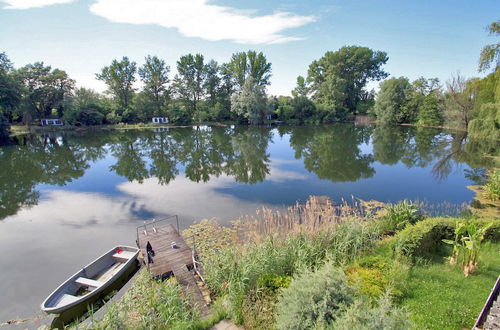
{"x":491,"y":53}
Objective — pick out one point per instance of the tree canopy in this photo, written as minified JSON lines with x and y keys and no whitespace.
{"x":338,"y":79}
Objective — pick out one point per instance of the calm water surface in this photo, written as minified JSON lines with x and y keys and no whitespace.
{"x":67,"y":198}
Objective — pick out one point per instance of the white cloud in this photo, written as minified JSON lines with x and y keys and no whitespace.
{"x":198,"y":18}
{"x":27,"y":4}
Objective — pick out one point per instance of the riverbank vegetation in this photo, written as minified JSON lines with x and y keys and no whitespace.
{"x":203,"y":90}
{"x":320,"y":266}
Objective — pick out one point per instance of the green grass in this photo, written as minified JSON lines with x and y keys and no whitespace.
{"x":441,"y":297}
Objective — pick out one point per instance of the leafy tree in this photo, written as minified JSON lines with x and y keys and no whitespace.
{"x":154,"y":75}
{"x":298,"y":109}
{"x":212,"y":82}
{"x":190,"y":80}
{"x":301,"y":89}
{"x":10,"y":94}
{"x":43,"y":89}
{"x":491,"y":53}
{"x":120,"y":78}
{"x":250,"y":102}
{"x":430,"y":112}
{"x":426,"y":99}
{"x":338,"y":79}
{"x":250,"y":64}
{"x":392,"y":105}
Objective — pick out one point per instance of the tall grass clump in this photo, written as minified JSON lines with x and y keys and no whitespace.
{"x":492,"y":187}
{"x":400,"y":215}
{"x":150,"y":304}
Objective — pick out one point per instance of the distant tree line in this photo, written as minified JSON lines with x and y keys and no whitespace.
{"x":471,"y":105}
{"x":206,"y":91}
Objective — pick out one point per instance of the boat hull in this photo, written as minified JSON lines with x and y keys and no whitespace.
{"x":90,"y":283}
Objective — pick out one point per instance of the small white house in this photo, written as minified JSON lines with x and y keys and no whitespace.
{"x":160,"y":120}
{"x":269,"y":117}
{"x":51,"y":122}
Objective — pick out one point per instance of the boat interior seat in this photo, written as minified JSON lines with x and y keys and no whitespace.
{"x":124,"y":256}
{"x":66,"y":299}
{"x":88,"y":282}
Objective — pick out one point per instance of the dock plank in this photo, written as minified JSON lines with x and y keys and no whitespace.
{"x":168,"y":261}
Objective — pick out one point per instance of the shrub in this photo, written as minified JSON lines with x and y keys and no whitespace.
{"x":4,"y":127}
{"x":423,"y":237}
{"x":399,"y":216}
{"x":361,"y":315}
{"x":492,"y":187}
{"x":274,"y":282}
{"x":314,"y":299}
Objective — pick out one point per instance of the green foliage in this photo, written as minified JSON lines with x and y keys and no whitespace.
{"x":492,"y":187}
{"x":362,"y":315}
{"x":251,"y":64}
{"x":400,"y":215}
{"x":392,"y":105}
{"x":43,"y":89}
{"x":120,"y":78}
{"x":150,"y":304}
{"x":440,"y":297}
{"x":337,"y":80}
{"x":297,"y":109}
{"x":426,"y":236}
{"x":235,"y":273}
{"x":154,"y":75}
{"x":487,"y":122}
{"x":189,"y":82}
{"x":86,"y":116}
{"x":491,"y":53}
{"x":430,"y":112}
{"x":4,"y":127}
{"x":179,"y":115}
{"x":250,"y":102}
{"x":274,"y":282}
{"x":314,"y":299}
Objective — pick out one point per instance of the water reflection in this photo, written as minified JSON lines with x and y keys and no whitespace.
{"x":339,"y":153}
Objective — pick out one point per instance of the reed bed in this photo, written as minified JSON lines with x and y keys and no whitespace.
{"x":318,"y":213}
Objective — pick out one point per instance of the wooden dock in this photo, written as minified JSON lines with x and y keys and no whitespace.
{"x":169,"y":261}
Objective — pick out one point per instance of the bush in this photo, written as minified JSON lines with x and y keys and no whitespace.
{"x":274,"y":282}
{"x":363,"y":316}
{"x":4,"y":127}
{"x":180,"y":116}
{"x":425,"y":236}
{"x":492,"y":187}
{"x":314,"y":299}
{"x":399,"y":216}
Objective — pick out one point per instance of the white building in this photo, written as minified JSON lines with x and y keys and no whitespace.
{"x":160,"y":120}
{"x":51,"y":122}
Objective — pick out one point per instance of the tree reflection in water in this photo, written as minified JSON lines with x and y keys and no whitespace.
{"x":339,"y":153}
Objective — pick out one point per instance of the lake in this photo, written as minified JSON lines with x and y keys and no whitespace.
{"x":66,"y":198}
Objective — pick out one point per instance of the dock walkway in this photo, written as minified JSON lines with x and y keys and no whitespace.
{"x":169,"y":261}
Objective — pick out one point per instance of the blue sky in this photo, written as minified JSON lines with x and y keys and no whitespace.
{"x":422,"y":38}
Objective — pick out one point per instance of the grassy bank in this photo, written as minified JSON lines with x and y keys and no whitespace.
{"x":23,"y":129}
{"x":340,"y":267}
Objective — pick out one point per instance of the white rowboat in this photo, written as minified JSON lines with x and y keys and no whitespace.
{"x":91,"y":280}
